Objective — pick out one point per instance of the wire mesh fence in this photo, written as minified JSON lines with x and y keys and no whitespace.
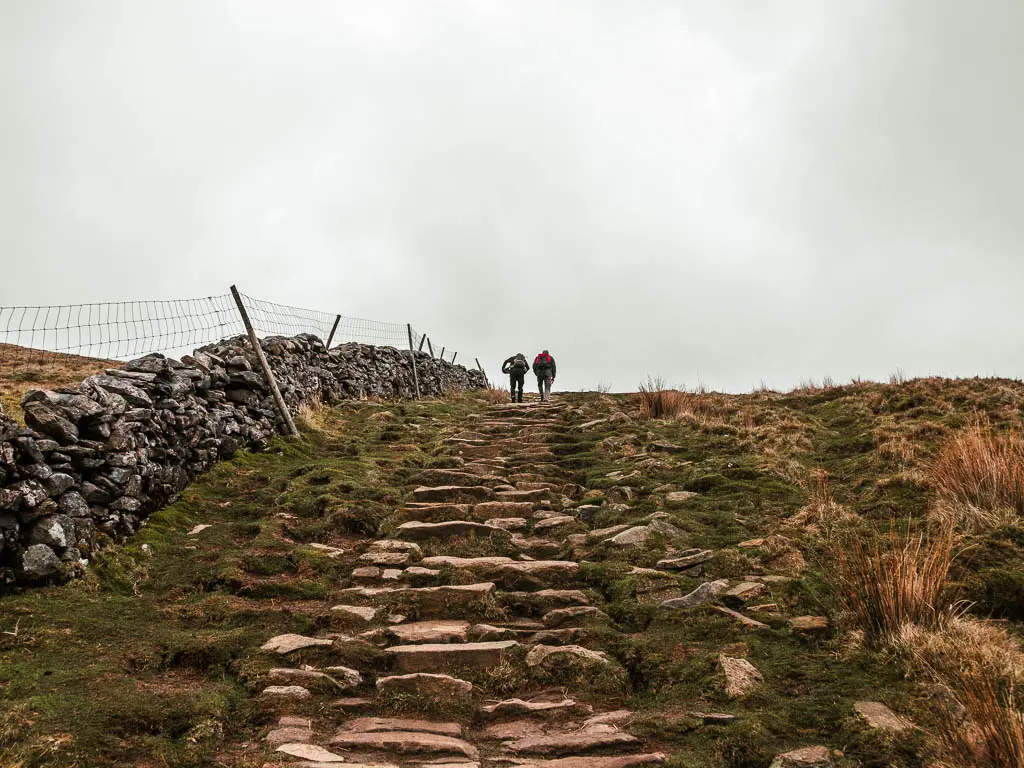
{"x":129,"y":329}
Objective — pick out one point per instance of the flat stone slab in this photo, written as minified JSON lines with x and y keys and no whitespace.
{"x":537,"y":495}
{"x":744,"y":620}
{"x":563,"y":743}
{"x":387,"y":724}
{"x":880,"y":716}
{"x":442,"y":631}
{"x":289,"y":643}
{"x":452,"y":477}
{"x":356,"y":611}
{"x":489,"y":509}
{"x":285,"y":692}
{"x":428,"y":684}
{"x":298,"y":674}
{"x":510,"y":707}
{"x":744,"y":592}
{"x":507,"y":523}
{"x":498,"y":567}
{"x":310,"y":752}
{"x":714,"y":718}
{"x":428,"y":657}
{"x":388,"y":558}
{"x":707,"y":591}
{"x":683,"y":560}
{"x":418,"y":531}
{"x":464,"y":494}
{"x":808,"y":757}
{"x":427,"y":512}
{"x":741,"y":677}
{"x":555,"y":656}
{"x":325,"y":549}
{"x":429,"y":598}
{"x":406,"y":742}
{"x":809,"y":624}
{"x":288,"y":735}
{"x":559,"y":617}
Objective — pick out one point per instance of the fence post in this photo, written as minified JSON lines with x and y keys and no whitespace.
{"x":412,"y":355}
{"x":481,"y":369}
{"x":423,"y":338}
{"x":454,"y":355}
{"x":442,"y":354}
{"x":268,"y":375}
{"x":333,"y":329}
{"x":430,"y":347}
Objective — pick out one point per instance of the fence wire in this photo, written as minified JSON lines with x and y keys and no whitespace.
{"x":129,"y":329}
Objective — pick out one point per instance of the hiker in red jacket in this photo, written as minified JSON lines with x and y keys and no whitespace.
{"x":544,"y":368}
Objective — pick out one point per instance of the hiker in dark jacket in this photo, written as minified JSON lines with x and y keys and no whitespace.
{"x":516,"y":368}
{"x":544,"y":368}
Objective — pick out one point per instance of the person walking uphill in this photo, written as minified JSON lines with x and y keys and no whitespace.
{"x":544,"y":368}
{"x":516,"y":368}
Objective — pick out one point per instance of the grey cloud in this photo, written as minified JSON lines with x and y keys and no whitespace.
{"x":733,"y":191}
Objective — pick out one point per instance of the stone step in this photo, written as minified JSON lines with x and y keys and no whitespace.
{"x":527,"y":496}
{"x":433,"y":686}
{"x":405,"y":742}
{"x":429,"y":599}
{"x":415,"y":530}
{"x":505,"y":569}
{"x":569,"y":743}
{"x":446,"y":477}
{"x":454,"y":493}
{"x":425,"y":512}
{"x":433,"y":657}
{"x":439,"y":631}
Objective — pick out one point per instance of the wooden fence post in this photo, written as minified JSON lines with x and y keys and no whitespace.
{"x":454,"y":355}
{"x":423,"y":338}
{"x":268,"y":375}
{"x":333,"y":329}
{"x":430,"y":347}
{"x":481,"y":369}
{"x":442,"y":354}
{"x":412,"y":355}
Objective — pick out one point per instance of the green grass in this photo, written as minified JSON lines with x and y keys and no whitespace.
{"x":153,"y":660}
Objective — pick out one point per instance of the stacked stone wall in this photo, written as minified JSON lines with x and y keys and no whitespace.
{"x":95,"y":461}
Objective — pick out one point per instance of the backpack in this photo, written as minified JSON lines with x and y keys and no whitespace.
{"x":543,"y":362}
{"x":519,"y":365}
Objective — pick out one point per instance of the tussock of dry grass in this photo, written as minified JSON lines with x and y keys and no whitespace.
{"x":889,"y":582}
{"x":979,"y":477}
{"x":496,"y":395}
{"x":822,"y":513}
{"x":981,"y":667}
{"x":659,"y":402}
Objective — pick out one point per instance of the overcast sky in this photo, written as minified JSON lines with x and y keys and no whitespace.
{"x":733,"y":191}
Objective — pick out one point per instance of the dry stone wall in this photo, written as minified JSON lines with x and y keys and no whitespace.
{"x":95,"y":461}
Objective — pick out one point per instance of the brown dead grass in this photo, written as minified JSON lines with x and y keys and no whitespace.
{"x":823,"y":513}
{"x":981,"y":667}
{"x":496,"y":395}
{"x":889,"y":581}
{"x":979,"y":477}
{"x":22,"y":369}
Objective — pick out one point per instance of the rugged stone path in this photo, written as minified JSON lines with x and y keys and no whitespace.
{"x":509,"y":620}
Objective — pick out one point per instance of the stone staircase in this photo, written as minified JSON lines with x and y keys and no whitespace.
{"x":512,"y":621}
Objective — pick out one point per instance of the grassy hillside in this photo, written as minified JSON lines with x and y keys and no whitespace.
{"x":155,"y":659}
{"x":22,"y":369}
